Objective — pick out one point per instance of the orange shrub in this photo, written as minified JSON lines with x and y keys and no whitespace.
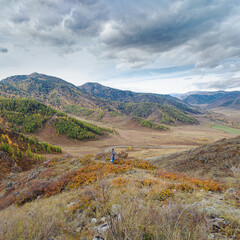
{"x":191,"y":183}
{"x":147,"y":182}
{"x":120,"y":182}
{"x":90,"y":173}
{"x":51,"y":163}
{"x":186,"y":187}
{"x":86,"y":159}
{"x":161,"y":195}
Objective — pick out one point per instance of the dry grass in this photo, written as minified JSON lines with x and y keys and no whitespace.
{"x":137,"y":201}
{"x":41,"y":219}
{"x":148,"y":153}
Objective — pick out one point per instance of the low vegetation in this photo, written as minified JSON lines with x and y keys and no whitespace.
{"x":220,"y":119}
{"x":21,"y":153}
{"x":133,"y":199}
{"x":77,"y":110}
{"x":209,"y":160}
{"x":226,"y":129}
{"x":162,"y":114}
{"x":149,"y":124}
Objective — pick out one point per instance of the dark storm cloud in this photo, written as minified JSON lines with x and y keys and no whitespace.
{"x":134,"y":32}
{"x":206,"y":32}
{"x":63,"y":24}
{"x":3,"y":50}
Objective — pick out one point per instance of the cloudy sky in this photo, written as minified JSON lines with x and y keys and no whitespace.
{"x":161,"y":46}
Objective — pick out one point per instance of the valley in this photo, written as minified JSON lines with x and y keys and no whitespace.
{"x":119,"y":120}
{"x":173,"y":161}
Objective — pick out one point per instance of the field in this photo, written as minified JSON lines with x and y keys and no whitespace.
{"x":150,"y":152}
{"x":131,"y":134}
{"x":81,"y":194}
{"x":226,"y":129}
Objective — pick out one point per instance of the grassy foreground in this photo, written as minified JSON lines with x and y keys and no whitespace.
{"x":79,"y":198}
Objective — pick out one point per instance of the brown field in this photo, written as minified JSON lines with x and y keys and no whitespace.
{"x":145,"y":153}
{"x":231,"y":114}
{"x":130,"y":134}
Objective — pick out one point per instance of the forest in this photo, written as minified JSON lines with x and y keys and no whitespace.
{"x":164,"y":113}
{"x":29,"y":115}
{"x":149,"y":124}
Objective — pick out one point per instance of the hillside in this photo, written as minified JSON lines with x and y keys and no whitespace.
{"x":220,"y":99}
{"x":164,"y":114}
{"x":19,"y":152}
{"x":90,"y":198}
{"x":47,"y":89}
{"x":25,"y":115}
{"x":97,"y":102}
{"x":212,"y":160}
{"x":111,"y":94}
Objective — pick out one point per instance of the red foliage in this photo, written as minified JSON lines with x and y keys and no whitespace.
{"x":36,"y":188}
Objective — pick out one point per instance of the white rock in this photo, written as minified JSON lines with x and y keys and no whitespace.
{"x":94,"y":220}
{"x":103,"y":228}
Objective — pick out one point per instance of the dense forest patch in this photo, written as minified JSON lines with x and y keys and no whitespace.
{"x":25,"y":115}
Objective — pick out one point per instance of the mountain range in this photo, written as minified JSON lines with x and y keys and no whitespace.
{"x":112,"y":94}
{"x":218,"y":99}
{"x":95,"y":100}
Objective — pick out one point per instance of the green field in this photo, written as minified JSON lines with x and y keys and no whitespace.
{"x":226,"y":129}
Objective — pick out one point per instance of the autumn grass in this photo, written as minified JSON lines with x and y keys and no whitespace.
{"x":137,"y":201}
{"x":41,"y":219}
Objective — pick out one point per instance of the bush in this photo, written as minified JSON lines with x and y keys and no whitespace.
{"x":149,"y":124}
{"x":6,"y":148}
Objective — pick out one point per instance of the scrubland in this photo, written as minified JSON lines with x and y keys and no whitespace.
{"x":86,"y":197}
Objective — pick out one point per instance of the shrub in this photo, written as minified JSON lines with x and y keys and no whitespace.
{"x":35,"y":189}
{"x":6,"y":148}
{"x":191,"y":183}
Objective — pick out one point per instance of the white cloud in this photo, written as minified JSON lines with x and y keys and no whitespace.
{"x":99,"y":39}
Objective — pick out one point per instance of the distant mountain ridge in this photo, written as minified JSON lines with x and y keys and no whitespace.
{"x":112,"y":94}
{"x":214,"y":99}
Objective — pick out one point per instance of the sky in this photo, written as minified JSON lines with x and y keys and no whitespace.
{"x":160,"y":46}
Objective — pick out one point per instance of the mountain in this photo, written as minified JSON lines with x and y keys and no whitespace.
{"x":111,"y":94}
{"x":95,"y":101}
{"x":181,"y":96}
{"x":214,"y":99}
{"x":50,"y":90}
